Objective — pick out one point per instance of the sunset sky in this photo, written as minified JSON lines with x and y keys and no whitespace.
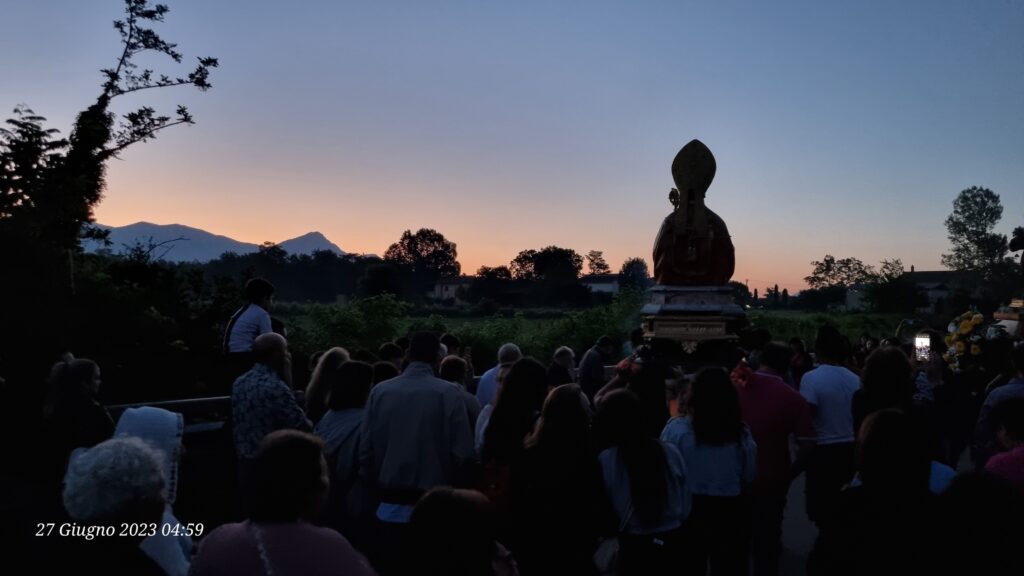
{"x":845,"y":129}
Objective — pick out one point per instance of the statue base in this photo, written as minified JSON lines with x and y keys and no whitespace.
{"x":690,"y":315}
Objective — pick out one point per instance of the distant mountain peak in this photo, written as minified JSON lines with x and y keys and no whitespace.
{"x":199,"y":245}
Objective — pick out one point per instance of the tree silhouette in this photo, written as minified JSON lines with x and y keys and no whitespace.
{"x":634,"y":274}
{"x":976,"y":211}
{"x":596,"y":263}
{"x":548,"y":264}
{"x":845,"y":272}
{"x":50,"y":186}
{"x":427,"y":255}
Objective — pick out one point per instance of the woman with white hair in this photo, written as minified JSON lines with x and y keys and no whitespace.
{"x":118,"y":485}
{"x":162,"y":430}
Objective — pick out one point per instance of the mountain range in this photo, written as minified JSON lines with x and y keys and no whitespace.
{"x":187,"y":244}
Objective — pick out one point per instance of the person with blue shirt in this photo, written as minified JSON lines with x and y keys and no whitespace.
{"x":721,"y":461}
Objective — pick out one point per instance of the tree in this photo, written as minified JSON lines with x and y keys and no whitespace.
{"x":1017,"y":243}
{"x":890,"y":270}
{"x":634,"y":274}
{"x":775,"y":296}
{"x":976,"y":211}
{"x":50,"y":186}
{"x":427,"y":254}
{"x":740,"y":292}
{"x":548,"y":264}
{"x":756,"y":297}
{"x":785,"y":298}
{"x":496,"y":273}
{"x":596,"y":263}
{"x":379,"y":279}
{"x":846,"y":272}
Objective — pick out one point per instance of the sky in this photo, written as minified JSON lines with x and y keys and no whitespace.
{"x":843,"y":128}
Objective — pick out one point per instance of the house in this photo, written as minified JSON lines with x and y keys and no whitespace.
{"x":448,"y":288}
{"x":601,"y":283}
{"x":939,"y":285}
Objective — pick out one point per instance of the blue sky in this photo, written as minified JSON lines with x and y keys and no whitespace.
{"x":842,"y":128}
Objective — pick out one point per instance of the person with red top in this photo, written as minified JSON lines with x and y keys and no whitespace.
{"x":1009,"y":466}
{"x":775,"y":412}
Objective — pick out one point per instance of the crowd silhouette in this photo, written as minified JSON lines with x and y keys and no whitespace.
{"x":410,"y":464}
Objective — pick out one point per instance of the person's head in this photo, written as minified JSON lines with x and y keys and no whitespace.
{"x":869,"y":343}
{"x":636,"y":337}
{"x":1017,"y":358}
{"x":890,"y":342}
{"x":425,"y":347}
{"x":714,"y":407}
{"x":116,"y":481}
{"x":260,"y":292}
{"x":982,"y":512}
{"x":384,"y":371}
{"x":290,"y":477}
{"x":453,"y":532}
{"x":887,"y":378}
{"x":565,"y":357}
{"x":891,"y":453}
{"x":453,"y":369}
{"x":620,"y":422}
{"x":391,"y":352}
{"x":1008,"y":416}
{"x":325,"y":367}
{"x":278,"y":326}
{"x":350,"y":385}
{"x":452,"y":343}
{"x":73,"y":380}
{"x":520,"y":399}
{"x":162,"y":430}
{"x":776,"y":356}
{"x":271,"y":350}
{"x":830,"y":345}
{"x":508,"y":354}
{"x":564,"y":421}
{"x":605,"y":345}
{"x":798,"y":345}
{"x":403,"y":343}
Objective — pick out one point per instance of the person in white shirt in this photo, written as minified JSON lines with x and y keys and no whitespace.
{"x":248,"y":323}
{"x":487,"y":389}
{"x":829,"y":390}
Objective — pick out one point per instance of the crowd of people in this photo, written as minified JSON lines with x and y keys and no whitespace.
{"x":413,"y":465}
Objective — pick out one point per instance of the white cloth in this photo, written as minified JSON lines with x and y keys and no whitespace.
{"x":481,"y":427}
{"x":487,"y":388}
{"x":829,"y":389}
{"x":162,"y":430}
{"x":253,"y":322}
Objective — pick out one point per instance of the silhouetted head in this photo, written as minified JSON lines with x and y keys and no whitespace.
{"x":425,"y":347}
{"x":830,"y":345}
{"x":453,"y":369}
{"x":452,"y":343}
{"x":260,"y":292}
{"x":565,"y":357}
{"x":508,"y":354}
{"x":1017,"y":358}
{"x":776,"y":356}
{"x":350,"y":385}
{"x":519,"y":401}
{"x":384,"y":371}
{"x":605,"y":345}
{"x":325,"y":366}
{"x":564,"y":421}
{"x":271,"y":350}
{"x":453,"y":533}
{"x":636,"y":337}
{"x":888,"y":378}
{"x":71,"y":381}
{"x":117,"y":481}
{"x":1008,"y":416}
{"x":391,"y":352}
{"x":892,"y":454}
{"x":714,"y":407}
{"x":290,"y":477}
